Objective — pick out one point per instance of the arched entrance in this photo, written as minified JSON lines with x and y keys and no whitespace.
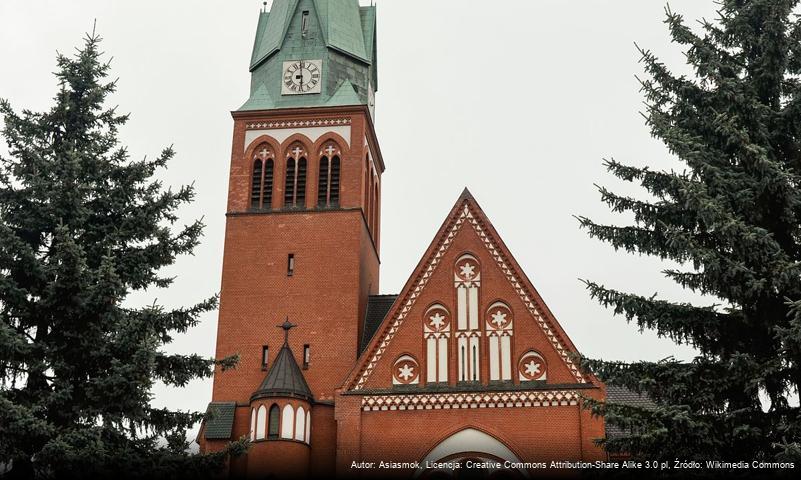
{"x":469,"y":454}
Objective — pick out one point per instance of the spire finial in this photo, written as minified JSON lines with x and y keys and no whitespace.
{"x":264,"y":6}
{"x":286,"y":326}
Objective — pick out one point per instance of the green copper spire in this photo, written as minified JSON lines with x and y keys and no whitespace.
{"x":310,"y":53}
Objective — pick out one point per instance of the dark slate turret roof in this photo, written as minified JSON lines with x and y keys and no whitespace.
{"x":285,"y":379}
{"x":377,"y":308}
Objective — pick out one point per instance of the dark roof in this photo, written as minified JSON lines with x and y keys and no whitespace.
{"x":220,"y":420}
{"x":284,"y":378}
{"x":624,"y":396}
{"x":377,"y":308}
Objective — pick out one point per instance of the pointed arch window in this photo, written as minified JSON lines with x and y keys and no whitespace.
{"x":300,"y":424}
{"x":267,"y":192}
{"x":436,"y":331}
{"x":261,"y":181}
{"x":273,"y":423}
{"x":295,"y":181}
{"x":287,"y":421}
{"x":328,"y":178}
{"x":260,"y":422}
{"x":467,"y":281}
{"x":255,"y":187}
{"x":499,"y":320}
{"x":366,"y":188}
{"x":308,"y":427}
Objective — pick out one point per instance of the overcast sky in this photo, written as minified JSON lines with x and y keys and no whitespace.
{"x":517,"y":100}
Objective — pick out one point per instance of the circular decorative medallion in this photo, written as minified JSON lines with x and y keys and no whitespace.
{"x":466,"y":268}
{"x":437,"y":318}
{"x":406,"y":370}
{"x":498,"y":316}
{"x":532,"y":367}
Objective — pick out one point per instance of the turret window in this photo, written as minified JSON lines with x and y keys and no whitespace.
{"x":287,"y":421}
{"x":273,"y":422}
{"x":260,"y":421}
{"x":300,"y":424}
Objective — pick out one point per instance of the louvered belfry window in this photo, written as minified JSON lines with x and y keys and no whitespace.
{"x":268,"y":184}
{"x":289,"y":188}
{"x":255,"y":187}
{"x":328,"y":179}
{"x":261,"y":183}
{"x":295,"y":181}
{"x":300,"y":196}
{"x":322,"y":184}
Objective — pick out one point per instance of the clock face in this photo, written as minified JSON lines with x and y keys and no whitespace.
{"x":301,"y":76}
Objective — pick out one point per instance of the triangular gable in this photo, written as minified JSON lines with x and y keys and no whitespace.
{"x":260,"y":100}
{"x":274,"y":32}
{"x":345,"y":95}
{"x":465,"y":214}
{"x":344,"y":28}
{"x":340,"y":23}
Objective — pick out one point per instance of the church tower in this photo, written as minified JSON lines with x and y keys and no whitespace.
{"x":302,"y":237}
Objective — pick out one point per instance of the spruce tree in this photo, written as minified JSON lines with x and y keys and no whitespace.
{"x":731,"y":220}
{"x":82,"y":226}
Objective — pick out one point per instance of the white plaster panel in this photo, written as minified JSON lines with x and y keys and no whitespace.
{"x":431,"y":359}
{"x":314,"y":133}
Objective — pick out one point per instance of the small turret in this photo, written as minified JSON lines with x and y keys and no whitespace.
{"x":280,"y":418}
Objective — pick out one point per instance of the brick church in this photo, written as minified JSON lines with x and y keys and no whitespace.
{"x":466,"y":363}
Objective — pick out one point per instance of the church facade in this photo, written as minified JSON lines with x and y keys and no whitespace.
{"x":466,"y":363}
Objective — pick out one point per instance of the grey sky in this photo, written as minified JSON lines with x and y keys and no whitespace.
{"x":517,"y":100}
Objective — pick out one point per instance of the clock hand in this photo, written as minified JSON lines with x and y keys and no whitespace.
{"x":301,"y":76}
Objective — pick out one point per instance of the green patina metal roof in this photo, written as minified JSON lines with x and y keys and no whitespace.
{"x":342,"y":23}
{"x":368,"y":27}
{"x":270,"y":36}
{"x":220,"y":420}
{"x":345,"y":95}
{"x":342,"y":26}
{"x":338,"y":33}
{"x":259,"y":100}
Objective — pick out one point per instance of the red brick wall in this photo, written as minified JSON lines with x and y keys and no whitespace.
{"x":494,"y":286}
{"x":283,"y":458}
{"x":336,"y":268}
